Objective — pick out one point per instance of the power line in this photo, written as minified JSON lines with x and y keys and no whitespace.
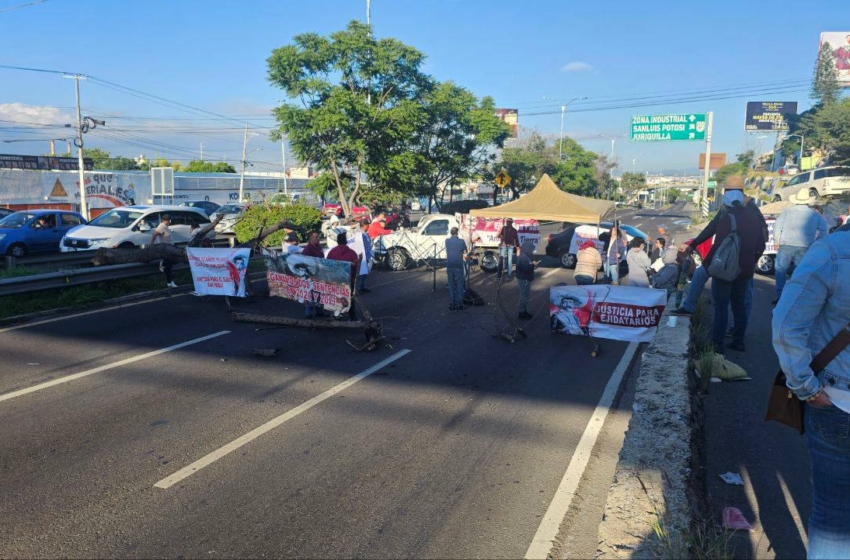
{"x":21,"y":6}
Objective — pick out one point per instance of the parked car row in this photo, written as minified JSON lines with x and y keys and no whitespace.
{"x":823,"y":181}
{"x":36,"y":231}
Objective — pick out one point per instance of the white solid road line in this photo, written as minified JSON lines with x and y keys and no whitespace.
{"x":86,"y":373}
{"x":544,"y":540}
{"x":551,"y":272}
{"x":83,"y":314}
{"x":207,"y":460}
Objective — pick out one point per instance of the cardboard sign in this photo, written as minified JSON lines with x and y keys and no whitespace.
{"x":219,"y":272}
{"x":604,"y":311}
{"x":309,"y":279}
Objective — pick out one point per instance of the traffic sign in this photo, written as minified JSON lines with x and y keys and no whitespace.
{"x":502,"y":179}
{"x":668,"y":128}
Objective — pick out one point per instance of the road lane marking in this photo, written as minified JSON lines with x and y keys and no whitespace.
{"x":544,"y":539}
{"x":99,"y":369}
{"x":551,"y":272}
{"x":92,"y":312}
{"x":211,"y":458}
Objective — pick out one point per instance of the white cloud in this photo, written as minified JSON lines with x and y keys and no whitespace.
{"x":32,"y":114}
{"x":577,"y":67}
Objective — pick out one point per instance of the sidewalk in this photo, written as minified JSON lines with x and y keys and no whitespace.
{"x":771,"y":458}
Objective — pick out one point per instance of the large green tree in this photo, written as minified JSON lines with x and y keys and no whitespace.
{"x":825,"y":88}
{"x":200,"y":166}
{"x":631,"y":182}
{"x":354,"y":100}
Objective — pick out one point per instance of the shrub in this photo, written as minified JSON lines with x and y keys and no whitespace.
{"x":304,"y":218}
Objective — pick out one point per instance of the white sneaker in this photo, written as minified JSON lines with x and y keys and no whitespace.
{"x":161,"y":266}
{"x":171,"y":285}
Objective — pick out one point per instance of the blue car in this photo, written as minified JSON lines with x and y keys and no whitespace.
{"x":35,"y":231}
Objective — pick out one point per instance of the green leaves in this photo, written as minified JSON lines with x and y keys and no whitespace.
{"x":199,"y":166}
{"x":304,"y":218}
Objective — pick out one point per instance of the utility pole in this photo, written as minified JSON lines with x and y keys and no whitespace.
{"x":202,"y":151}
{"x":52,"y":147}
{"x":561,"y":143}
{"x":368,"y":12}
{"x":283,"y":157}
{"x":704,"y":200}
{"x":242,"y":173}
{"x":83,"y":206}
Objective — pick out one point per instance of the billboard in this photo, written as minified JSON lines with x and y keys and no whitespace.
{"x":839,"y":41}
{"x":43,"y":163}
{"x":511,"y":118}
{"x":717,"y":160}
{"x":770,"y":116}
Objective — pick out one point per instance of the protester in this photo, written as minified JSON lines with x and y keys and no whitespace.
{"x":367,"y":250}
{"x":342,"y":252}
{"x":588,"y":263}
{"x":455,"y":256}
{"x":614,"y":251}
{"x":658,"y":248}
{"x":131,"y":195}
{"x":290,"y":244}
{"x":313,"y":248}
{"x":723,"y":292}
{"x":378,"y":227}
{"x":794,"y":231}
{"x":525,"y":276}
{"x":811,"y":312}
{"x":162,"y":235}
{"x":667,"y":242}
{"x":639,"y":265}
{"x":508,"y":243}
{"x":668,"y":277}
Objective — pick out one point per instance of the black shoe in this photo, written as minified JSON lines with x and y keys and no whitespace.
{"x":460,"y":308}
{"x":453,"y":308}
{"x":681,"y":311}
{"x":730,"y":333}
{"x":526,"y":315}
{"x":365,"y":291}
{"x":739,"y":346}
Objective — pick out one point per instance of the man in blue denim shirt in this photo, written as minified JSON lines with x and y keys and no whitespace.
{"x":795,"y":230}
{"x":814,"y":307}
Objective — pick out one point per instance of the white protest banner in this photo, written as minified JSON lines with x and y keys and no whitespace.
{"x":309,"y":279}
{"x":487,"y":230}
{"x":354,"y":239}
{"x":605,"y":311}
{"x":219,"y":272}
{"x":586,"y":233}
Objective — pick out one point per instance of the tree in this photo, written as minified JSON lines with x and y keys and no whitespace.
{"x":100,"y":158}
{"x":825,"y":88}
{"x":200,"y":166}
{"x":631,"y":182}
{"x":122,"y":164}
{"x":161,"y":162}
{"x":359,"y":99}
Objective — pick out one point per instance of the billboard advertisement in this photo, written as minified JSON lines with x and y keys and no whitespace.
{"x":511,"y":118}
{"x":770,"y":116}
{"x":839,"y":41}
{"x":43,"y":163}
{"x":717,"y":160}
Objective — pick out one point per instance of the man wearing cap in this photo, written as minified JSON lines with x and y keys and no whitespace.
{"x":508,"y":243}
{"x":795,"y":230}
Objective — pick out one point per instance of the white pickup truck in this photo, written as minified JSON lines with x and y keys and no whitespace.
{"x":428,"y":239}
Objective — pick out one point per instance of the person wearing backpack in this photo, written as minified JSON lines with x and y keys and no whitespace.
{"x":731,"y":276}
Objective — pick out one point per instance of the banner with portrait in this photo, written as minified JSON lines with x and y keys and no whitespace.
{"x":219,"y":272}
{"x":309,"y":279}
{"x":604,"y":311}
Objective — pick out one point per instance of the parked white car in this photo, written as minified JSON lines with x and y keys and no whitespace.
{"x":131,"y":226}
{"x":823,"y":181}
{"x":232,"y":214}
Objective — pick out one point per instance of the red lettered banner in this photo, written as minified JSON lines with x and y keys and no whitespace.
{"x":604,"y":311}
{"x":309,"y":279}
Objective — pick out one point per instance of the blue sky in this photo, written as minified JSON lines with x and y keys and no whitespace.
{"x":530,"y":55}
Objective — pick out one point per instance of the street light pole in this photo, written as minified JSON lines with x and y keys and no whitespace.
{"x":283,"y":156}
{"x":561,"y":143}
{"x":83,"y":206}
{"x":242,"y":173}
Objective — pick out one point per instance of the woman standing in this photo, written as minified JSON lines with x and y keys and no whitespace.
{"x":614,"y":254}
{"x":639,"y":264}
{"x":588,"y":264}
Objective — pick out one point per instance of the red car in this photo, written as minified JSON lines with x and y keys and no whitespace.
{"x":356,"y":211}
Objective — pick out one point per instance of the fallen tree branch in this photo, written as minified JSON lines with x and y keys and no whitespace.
{"x":309,"y":323}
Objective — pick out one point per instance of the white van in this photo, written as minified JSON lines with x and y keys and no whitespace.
{"x":132,"y":226}
{"x":823,"y":181}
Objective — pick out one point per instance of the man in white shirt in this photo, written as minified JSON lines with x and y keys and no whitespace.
{"x":162,"y":234}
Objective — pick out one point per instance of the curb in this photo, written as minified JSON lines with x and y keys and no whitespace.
{"x":649,"y":494}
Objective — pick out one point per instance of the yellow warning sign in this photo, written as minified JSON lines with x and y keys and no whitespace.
{"x":58,"y":190}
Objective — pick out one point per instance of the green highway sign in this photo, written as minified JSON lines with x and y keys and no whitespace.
{"x":668,"y":128}
{"x":712,"y":184}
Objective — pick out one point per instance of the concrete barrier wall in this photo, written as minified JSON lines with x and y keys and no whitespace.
{"x":648,"y":502}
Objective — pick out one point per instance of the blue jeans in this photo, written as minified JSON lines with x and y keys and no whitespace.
{"x":788,"y":255}
{"x":748,"y":301}
{"x":362,"y":281}
{"x":723,"y":293}
{"x":584,"y":280}
{"x":828,"y":438}
{"x":524,"y":291}
{"x":455,"y":278}
{"x":506,"y":257}
{"x":612,"y":271}
{"x":697,"y":286}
